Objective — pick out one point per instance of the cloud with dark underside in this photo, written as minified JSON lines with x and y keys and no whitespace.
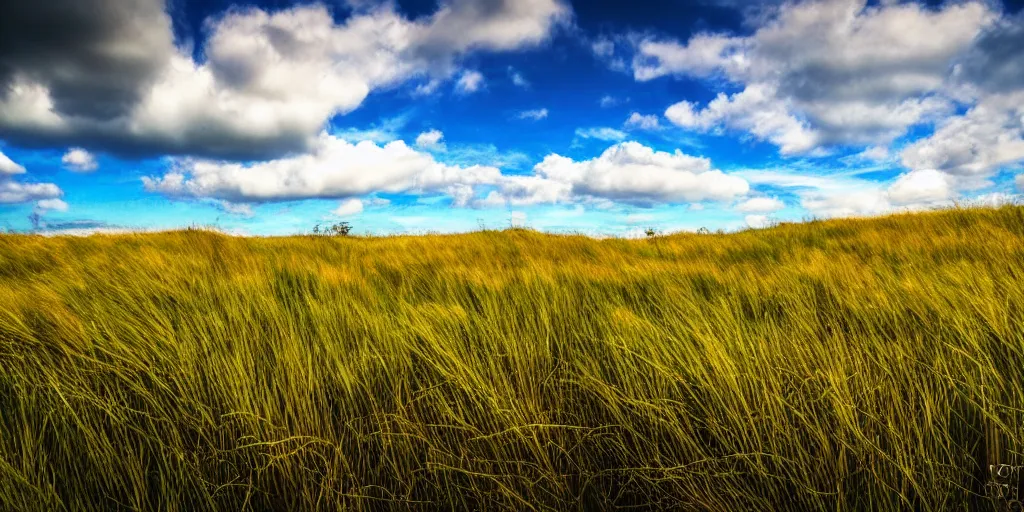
{"x":996,"y":63}
{"x":95,"y":57}
{"x":105,"y":75}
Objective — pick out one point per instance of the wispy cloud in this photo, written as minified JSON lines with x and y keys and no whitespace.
{"x":535,"y":115}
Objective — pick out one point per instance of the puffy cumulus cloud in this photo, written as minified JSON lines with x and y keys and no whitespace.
{"x":469,"y":82}
{"x":639,"y":121}
{"x":348,"y":208}
{"x":8,"y":166}
{"x":822,"y":73}
{"x":703,"y":55}
{"x":601,"y":133}
{"x":497,"y":25}
{"x":79,"y":160}
{"x":760,"y":205}
{"x":628,"y":172}
{"x":48,"y":205}
{"x":989,"y":135}
{"x":12,"y":191}
{"x":920,"y":187}
{"x":430,"y":139}
{"x":16,"y":192}
{"x":534,"y":115}
{"x":266,"y":84}
{"x":334,"y":168}
{"x":756,"y":110}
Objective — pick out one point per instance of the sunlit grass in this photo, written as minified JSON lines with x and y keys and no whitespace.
{"x":870,"y":364}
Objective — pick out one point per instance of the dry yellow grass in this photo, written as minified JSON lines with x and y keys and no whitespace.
{"x":844,"y":365}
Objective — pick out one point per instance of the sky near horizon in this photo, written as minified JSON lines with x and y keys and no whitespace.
{"x":600,"y":117}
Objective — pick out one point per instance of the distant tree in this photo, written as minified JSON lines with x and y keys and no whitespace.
{"x":703,"y":231}
{"x":337,"y":229}
{"x":651,"y":232}
{"x":341,"y":229}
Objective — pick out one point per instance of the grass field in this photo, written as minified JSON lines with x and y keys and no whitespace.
{"x":873,"y":364}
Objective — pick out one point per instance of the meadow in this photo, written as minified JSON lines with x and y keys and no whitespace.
{"x":860,"y":364}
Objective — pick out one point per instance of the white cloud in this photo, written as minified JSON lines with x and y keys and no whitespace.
{"x":601,"y":133}
{"x":12,"y":191}
{"x":756,"y":221}
{"x":16,"y":192}
{"x":760,"y":205}
{"x":268,"y":82}
{"x":45,"y":205}
{"x":920,"y":187}
{"x":608,"y":101}
{"x":430,"y":140}
{"x":642,"y":122}
{"x":348,"y":208}
{"x":703,"y":55}
{"x":756,"y":110}
{"x":528,"y":190}
{"x":8,"y":166}
{"x":79,"y":160}
{"x":334,"y":168}
{"x":469,"y":82}
{"x":858,"y":203}
{"x":989,"y":135}
{"x":517,"y":78}
{"x":832,"y":72}
{"x":627,"y":172}
{"x":535,"y":115}
{"x":846,"y":196}
{"x":496,"y":25}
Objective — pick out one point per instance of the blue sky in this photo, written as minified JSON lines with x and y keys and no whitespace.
{"x":413,"y":116}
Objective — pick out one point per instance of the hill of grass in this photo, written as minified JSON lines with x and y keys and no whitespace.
{"x":872,"y":364}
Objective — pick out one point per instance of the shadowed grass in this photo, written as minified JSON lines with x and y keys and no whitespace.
{"x":870,"y":364}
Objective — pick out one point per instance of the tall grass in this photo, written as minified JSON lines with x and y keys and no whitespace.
{"x":841,"y":365}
